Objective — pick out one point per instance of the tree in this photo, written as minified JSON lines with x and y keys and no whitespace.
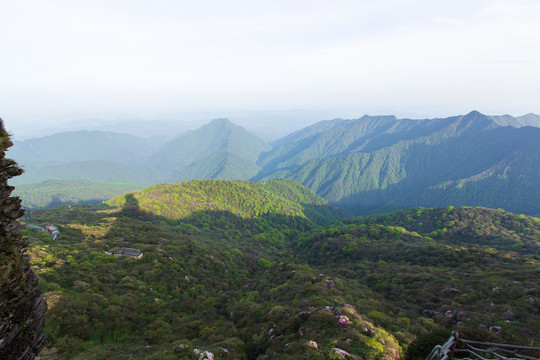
{"x":21,"y":304}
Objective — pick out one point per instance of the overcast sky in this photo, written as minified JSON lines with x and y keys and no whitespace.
{"x":78,"y":58}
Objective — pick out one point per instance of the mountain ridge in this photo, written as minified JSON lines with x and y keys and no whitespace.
{"x":444,"y":150}
{"x":374,"y":163}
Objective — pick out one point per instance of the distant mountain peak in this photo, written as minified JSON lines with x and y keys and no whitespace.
{"x":477,"y":119}
{"x":474,"y":113}
{"x":221,"y":122}
{"x":200,"y":153}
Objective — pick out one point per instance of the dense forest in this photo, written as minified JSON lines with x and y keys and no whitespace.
{"x":269,"y":270}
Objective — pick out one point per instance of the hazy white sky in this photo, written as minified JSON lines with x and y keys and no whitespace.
{"x":78,"y":58}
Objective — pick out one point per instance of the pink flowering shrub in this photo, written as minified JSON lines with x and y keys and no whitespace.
{"x":203,"y":355}
{"x":344,"y":321}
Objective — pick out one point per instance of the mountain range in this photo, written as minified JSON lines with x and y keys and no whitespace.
{"x":371,"y":164}
{"x":383,"y":163}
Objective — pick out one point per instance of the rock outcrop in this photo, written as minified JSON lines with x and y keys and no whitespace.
{"x":22,"y":306}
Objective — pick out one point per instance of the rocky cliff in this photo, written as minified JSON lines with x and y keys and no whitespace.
{"x":22,"y":306}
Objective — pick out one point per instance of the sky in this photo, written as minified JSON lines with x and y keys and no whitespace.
{"x":65,"y":60}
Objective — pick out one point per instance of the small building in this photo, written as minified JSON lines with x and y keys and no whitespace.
{"x":134,"y":253}
{"x":53,"y":230}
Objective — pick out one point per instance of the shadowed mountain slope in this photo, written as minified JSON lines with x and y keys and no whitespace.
{"x":376,"y":164}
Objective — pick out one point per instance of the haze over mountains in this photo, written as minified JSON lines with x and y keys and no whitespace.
{"x":366,"y":165}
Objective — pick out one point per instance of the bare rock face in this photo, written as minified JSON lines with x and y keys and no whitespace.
{"x":22,"y":306}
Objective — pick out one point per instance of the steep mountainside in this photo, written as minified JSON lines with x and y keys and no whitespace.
{"x":376,"y":164}
{"x":221,"y":164}
{"x":21,"y":303}
{"x":242,"y":270}
{"x":217,"y":149}
{"x":327,"y":139}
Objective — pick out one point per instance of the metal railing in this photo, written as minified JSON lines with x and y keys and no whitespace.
{"x":477,"y":350}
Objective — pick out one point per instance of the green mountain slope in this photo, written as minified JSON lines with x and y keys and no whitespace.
{"x":219,"y":149}
{"x":446,"y":269}
{"x":371,"y":165}
{"x":221,"y":164}
{"x":240,"y":198}
{"x":325,"y":139}
{"x":244,"y":270}
{"x":464,"y":226}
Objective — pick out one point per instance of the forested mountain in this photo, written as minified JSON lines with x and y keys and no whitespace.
{"x":263,"y":271}
{"x":219,"y":149}
{"x":378,"y":164}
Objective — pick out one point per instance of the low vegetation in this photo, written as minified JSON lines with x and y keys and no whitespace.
{"x":270,"y":271}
